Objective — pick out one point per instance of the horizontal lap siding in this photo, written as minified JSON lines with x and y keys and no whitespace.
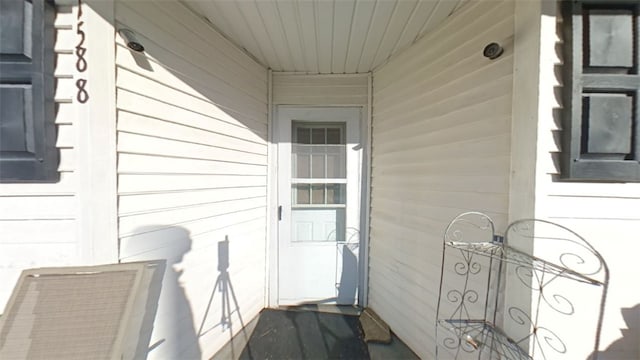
{"x":38,"y":221}
{"x":192,"y":168}
{"x":340,"y":89}
{"x":441,"y":146}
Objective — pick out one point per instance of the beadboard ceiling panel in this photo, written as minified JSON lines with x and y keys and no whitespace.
{"x":324,"y":36}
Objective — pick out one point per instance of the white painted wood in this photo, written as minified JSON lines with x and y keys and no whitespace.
{"x":441,"y":145}
{"x":192,"y":170}
{"x":44,"y":231}
{"x":271,"y":261}
{"x":65,"y":40}
{"x":96,"y":155}
{"x":324,"y":36}
{"x":363,"y":295}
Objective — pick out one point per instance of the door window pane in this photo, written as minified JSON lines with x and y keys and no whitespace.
{"x":318,"y":136}
{"x":318,"y":166}
{"x":302,"y":135}
{"x":336,"y":162}
{"x":318,"y":209}
{"x":334,"y":136}
{"x":302,"y":166}
{"x":317,"y":194}
{"x":336,"y":193}
{"x":301,"y":194}
{"x":318,"y":151}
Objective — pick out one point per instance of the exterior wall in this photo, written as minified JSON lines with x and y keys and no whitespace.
{"x":38,"y":220}
{"x":321,"y":90}
{"x":43,"y":224}
{"x":192,"y":172}
{"x":297,"y":89}
{"x":605,"y":214}
{"x":441,"y":146}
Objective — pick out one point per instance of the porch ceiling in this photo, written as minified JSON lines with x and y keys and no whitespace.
{"x":324,"y":36}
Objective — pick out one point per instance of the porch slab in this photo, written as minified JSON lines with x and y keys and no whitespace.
{"x":313,"y":333}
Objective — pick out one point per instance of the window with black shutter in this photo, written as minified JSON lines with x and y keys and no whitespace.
{"x":27,"y":130}
{"x":601,"y":87}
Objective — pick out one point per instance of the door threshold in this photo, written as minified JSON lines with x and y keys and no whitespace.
{"x":353,"y":310}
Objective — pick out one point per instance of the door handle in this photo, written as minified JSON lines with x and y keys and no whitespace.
{"x":279,"y":212}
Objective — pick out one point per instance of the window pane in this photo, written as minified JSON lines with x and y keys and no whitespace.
{"x":318,"y":136}
{"x":302,"y":166}
{"x":318,"y":166}
{"x":301,"y":194}
{"x":334,"y":136}
{"x":336,"y":194}
{"x":336,"y":162}
{"x":317,"y":194}
{"x":302,"y":135}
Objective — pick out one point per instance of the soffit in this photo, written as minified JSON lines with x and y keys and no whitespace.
{"x":324,"y":36}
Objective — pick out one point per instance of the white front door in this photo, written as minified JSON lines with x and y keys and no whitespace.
{"x":319,"y":175}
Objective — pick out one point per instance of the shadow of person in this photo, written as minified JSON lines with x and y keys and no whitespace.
{"x":627,"y":346}
{"x":173,"y":335}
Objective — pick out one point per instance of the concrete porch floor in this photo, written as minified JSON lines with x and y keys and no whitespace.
{"x":309,"y":332}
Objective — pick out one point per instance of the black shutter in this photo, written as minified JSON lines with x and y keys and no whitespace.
{"x":602,"y":88}
{"x":27,"y":130}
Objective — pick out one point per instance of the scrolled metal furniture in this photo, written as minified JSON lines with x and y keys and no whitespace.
{"x":520,"y":296}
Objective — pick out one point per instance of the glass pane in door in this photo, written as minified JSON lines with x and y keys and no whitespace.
{"x":318,"y":189}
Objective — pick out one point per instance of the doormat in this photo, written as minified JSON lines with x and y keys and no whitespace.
{"x":282,"y":334}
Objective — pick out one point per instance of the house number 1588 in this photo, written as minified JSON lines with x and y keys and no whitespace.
{"x":81,"y":63}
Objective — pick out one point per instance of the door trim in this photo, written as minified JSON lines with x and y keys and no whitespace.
{"x":272,"y":244}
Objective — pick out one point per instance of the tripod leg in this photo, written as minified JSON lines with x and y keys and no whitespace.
{"x":235,"y":301}
{"x":206,"y":313}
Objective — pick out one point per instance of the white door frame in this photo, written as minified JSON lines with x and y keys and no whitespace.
{"x":272,"y":261}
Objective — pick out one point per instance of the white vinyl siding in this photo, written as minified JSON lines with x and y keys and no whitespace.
{"x":192,"y":171}
{"x":38,"y":221}
{"x":607,"y":215}
{"x":322,"y":90}
{"x":441,"y":146}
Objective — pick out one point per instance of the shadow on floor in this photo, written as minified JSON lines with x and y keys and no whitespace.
{"x":304,"y":334}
